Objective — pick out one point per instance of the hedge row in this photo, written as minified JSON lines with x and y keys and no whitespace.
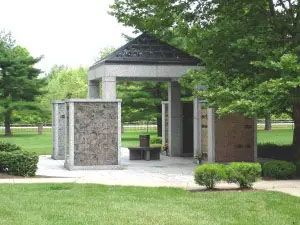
{"x":279,"y":169}
{"x":16,"y":162}
{"x":297,"y":168}
{"x":243,"y":174}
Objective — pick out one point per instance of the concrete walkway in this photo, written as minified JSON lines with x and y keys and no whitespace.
{"x":167,"y":172}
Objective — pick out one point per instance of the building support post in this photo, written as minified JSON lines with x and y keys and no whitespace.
{"x":93,"y":89}
{"x":174,"y":119}
{"x":197,"y":127}
{"x":109,"y":88}
{"x":211,"y":135}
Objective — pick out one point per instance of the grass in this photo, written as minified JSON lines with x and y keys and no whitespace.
{"x":130,"y":137}
{"x":97,"y":204}
{"x":32,"y":142}
{"x":275,"y":136}
{"x":42,"y":145}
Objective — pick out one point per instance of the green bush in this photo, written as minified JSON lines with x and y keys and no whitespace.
{"x":8,"y":147}
{"x":279,"y":169}
{"x":209,"y":174}
{"x":242,"y":173}
{"x":155,"y":140}
{"x":297,"y":168}
{"x":18,"y":163}
{"x":273,"y":151}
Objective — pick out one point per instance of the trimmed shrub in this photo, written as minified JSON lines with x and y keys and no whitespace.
{"x":279,"y":169}
{"x":18,"y":163}
{"x":8,"y":147}
{"x":242,"y":173}
{"x":297,"y":168}
{"x":273,"y":151}
{"x":209,"y":174}
{"x":155,"y":140}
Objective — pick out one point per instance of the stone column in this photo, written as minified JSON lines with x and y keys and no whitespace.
{"x":58,"y":130}
{"x":211,"y":135}
{"x":109,"y":88}
{"x":93,"y":89}
{"x":197,"y":127}
{"x":255,"y":139}
{"x":164,"y":116}
{"x":175,"y":119}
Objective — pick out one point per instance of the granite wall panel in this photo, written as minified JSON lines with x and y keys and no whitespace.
{"x":95,"y":131}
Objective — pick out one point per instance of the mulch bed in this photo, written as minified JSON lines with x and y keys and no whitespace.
{"x":225,"y":190}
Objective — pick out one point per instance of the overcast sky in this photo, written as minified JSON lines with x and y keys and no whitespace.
{"x":66,"y":32}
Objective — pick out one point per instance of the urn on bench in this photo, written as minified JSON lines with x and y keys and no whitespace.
{"x":144,"y":152}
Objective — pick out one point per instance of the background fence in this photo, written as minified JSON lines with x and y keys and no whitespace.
{"x":27,"y":129}
{"x":141,"y":127}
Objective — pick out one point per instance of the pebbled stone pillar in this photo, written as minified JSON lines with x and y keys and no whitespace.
{"x":93,"y":134}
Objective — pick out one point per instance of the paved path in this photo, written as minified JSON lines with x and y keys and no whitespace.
{"x":168,"y":172}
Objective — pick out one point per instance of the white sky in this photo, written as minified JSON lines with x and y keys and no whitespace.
{"x":66,"y":32}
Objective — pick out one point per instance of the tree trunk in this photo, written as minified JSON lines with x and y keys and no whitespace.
{"x":7,"y":122}
{"x":268,"y":124}
{"x":296,"y":135}
{"x":159,"y":126}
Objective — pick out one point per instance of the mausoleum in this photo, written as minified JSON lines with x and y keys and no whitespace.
{"x":91,"y":131}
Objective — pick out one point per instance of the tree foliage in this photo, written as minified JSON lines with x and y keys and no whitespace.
{"x":19,"y":81}
{"x":64,"y":82}
{"x":250,"y":48}
{"x":141,"y":100}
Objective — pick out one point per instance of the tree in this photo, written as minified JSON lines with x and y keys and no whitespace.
{"x":104,"y":53}
{"x":251,"y":50}
{"x":142,"y":101}
{"x":64,"y":83}
{"x":19,"y":82}
{"x":268,"y":123}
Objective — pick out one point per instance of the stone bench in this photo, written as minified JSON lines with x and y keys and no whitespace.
{"x":144,"y":153}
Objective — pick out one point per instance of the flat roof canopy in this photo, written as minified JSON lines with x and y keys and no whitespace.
{"x":145,"y":58}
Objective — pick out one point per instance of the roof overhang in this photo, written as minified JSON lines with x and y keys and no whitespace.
{"x":145,"y":58}
{"x":140,"y":72}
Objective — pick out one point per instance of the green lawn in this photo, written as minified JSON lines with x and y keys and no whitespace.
{"x":41,"y":144}
{"x":276,"y":136}
{"x":32,"y":142}
{"x":66,"y":204}
{"x":130,"y":137}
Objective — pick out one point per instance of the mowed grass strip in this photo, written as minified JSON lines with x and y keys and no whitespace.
{"x":64,"y":204}
{"x":31,"y":141}
{"x":275,"y":136}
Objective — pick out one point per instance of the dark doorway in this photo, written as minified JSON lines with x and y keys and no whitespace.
{"x":187,"y":129}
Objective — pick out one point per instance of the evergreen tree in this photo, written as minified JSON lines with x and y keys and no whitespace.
{"x":19,"y":82}
{"x":141,"y":101}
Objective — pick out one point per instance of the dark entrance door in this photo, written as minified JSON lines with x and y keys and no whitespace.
{"x":188,"y":131}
